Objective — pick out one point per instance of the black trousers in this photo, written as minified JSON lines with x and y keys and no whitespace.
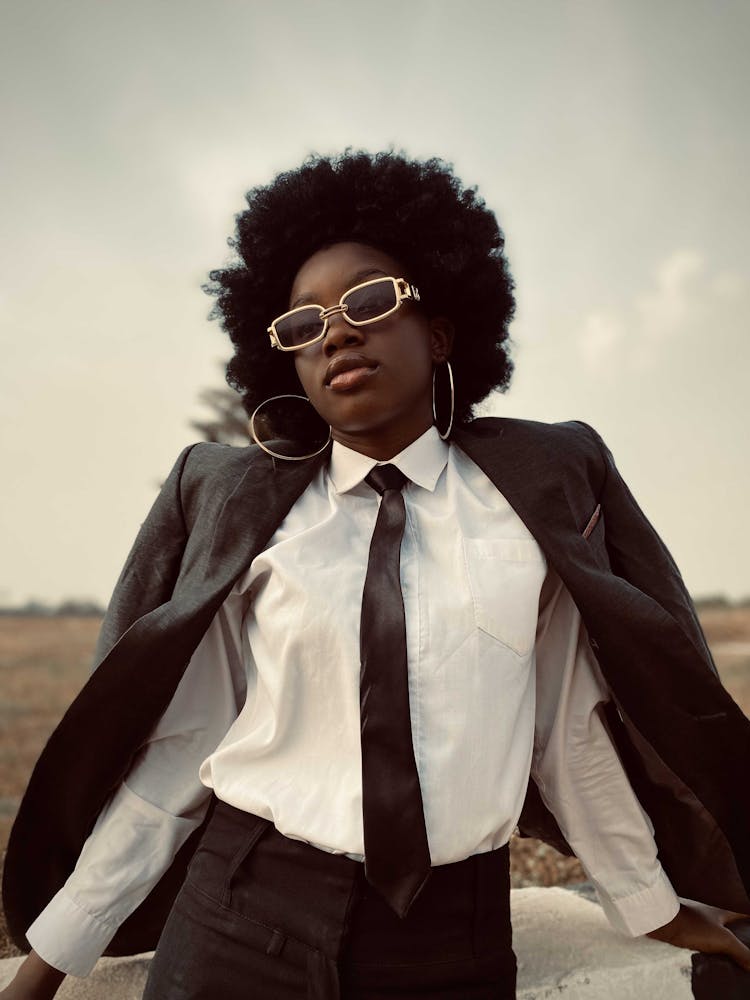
{"x":263,"y":917}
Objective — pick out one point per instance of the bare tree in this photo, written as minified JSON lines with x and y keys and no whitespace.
{"x":228,"y":423}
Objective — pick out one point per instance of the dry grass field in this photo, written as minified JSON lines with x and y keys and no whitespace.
{"x":44,"y":662}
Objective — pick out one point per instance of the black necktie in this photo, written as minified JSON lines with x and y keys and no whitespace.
{"x":397,"y":857}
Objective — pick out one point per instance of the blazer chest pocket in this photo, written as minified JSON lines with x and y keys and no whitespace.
{"x":505,"y":579}
{"x":594,"y":537}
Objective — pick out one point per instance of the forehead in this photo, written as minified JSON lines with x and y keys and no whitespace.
{"x":335,"y":268}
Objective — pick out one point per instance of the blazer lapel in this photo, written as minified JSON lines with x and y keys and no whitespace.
{"x":221,"y":551}
{"x":248,"y":518}
{"x":253,"y":511}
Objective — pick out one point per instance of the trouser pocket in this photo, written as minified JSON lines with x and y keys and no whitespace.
{"x":229,"y":840}
{"x":245,"y":848}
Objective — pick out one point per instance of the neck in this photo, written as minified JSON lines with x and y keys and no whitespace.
{"x":384,"y":444}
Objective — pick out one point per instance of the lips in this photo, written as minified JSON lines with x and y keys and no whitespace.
{"x":357,"y":364}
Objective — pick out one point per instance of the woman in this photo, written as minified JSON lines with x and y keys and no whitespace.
{"x":346,"y":659}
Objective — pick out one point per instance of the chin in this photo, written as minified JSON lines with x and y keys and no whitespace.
{"x":355,"y":416}
{"x":365,"y":413}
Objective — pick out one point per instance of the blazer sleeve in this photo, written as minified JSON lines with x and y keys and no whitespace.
{"x":152,"y":566}
{"x":639,"y":556}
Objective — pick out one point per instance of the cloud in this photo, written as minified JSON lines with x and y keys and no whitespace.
{"x":601,"y":335}
{"x":683,"y":300}
{"x":679,"y":287}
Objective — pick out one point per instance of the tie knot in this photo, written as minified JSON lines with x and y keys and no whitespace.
{"x":385,"y":477}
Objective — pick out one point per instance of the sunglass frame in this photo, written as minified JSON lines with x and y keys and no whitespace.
{"x":403,"y":289}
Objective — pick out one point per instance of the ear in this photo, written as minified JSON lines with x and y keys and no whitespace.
{"x":442,"y":332}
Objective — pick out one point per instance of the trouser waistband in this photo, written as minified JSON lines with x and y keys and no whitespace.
{"x":321,"y":910}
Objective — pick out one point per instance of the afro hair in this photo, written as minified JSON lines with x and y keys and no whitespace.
{"x":418,"y":212}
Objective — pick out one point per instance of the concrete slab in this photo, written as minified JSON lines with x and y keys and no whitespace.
{"x":566,"y":948}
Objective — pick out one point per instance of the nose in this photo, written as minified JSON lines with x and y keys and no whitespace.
{"x":340,"y":334}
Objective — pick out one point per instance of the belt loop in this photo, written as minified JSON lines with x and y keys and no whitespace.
{"x":275,"y":943}
{"x":322,"y":977}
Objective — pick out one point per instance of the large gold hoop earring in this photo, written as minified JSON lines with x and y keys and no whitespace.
{"x":289,"y":427}
{"x":443,"y":434}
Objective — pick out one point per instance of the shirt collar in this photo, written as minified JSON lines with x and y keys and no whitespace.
{"x":422,"y":462}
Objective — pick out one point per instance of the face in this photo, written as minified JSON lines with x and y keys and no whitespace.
{"x":372,"y":384}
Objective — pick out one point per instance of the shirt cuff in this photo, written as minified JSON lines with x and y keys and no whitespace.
{"x":68,"y":938}
{"x":643,"y":910}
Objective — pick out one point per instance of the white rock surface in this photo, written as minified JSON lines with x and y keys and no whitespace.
{"x":564,"y":945}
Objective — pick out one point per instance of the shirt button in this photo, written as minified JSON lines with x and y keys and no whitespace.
{"x":593,"y":643}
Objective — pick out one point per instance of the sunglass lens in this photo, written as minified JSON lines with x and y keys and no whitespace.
{"x":299,"y":329}
{"x":371,"y":301}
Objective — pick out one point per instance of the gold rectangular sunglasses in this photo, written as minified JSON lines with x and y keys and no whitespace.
{"x":366,"y":303}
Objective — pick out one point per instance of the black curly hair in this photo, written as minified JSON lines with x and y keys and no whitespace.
{"x":417,"y":212}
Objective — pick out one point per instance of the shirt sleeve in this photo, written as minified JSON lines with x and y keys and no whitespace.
{"x":154,"y":810}
{"x":581,"y":779}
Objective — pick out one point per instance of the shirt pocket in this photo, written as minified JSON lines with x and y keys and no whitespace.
{"x":505,"y":579}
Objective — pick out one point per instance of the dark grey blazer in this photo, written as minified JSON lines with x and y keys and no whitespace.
{"x":683,"y":740}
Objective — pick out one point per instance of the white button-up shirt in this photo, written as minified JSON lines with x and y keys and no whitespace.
{"x":502,"y":682}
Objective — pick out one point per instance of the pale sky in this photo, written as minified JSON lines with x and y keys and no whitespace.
{"x":610,"y":138}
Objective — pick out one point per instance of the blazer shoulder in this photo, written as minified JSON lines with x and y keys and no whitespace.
{"x":211,"y":471}
{"x":570,"y":451}
{"x":572,"y":437}
{"x":208,"y":458}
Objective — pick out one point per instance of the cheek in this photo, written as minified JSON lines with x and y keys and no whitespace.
{"x":415,"y":360}
{"x":304,"y":368}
